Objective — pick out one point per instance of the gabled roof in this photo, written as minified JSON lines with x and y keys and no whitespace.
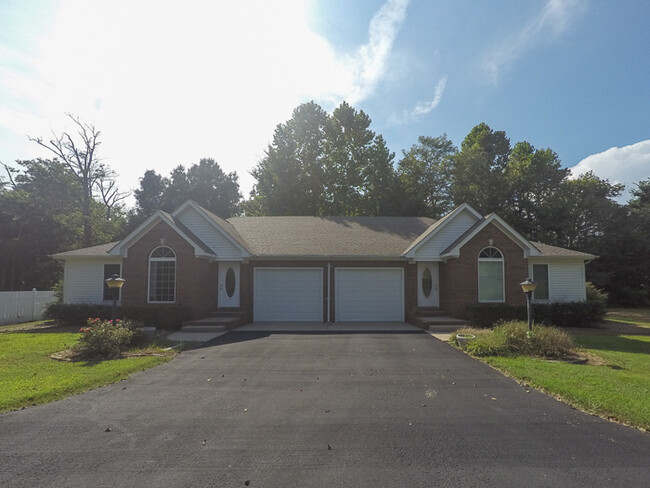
{"x":222,"y":226}
{"x":323,"y":237}
{"x":453,"y":250}
{"x":361,"y":237}
{"x":200,"y":249}
{"x":437,"y":226}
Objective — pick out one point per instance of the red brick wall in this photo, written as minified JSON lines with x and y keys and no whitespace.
{"x":196,"y":279}
{"x":459,"y":276}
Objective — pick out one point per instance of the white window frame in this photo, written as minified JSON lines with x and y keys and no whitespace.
{"x":503,"y":274}
{"x":157,"y":259}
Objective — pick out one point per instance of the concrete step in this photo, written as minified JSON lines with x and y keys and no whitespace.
{"x":429,"y":312}
{"x":444,"y":328}
{"x":203,"y":328}
{"x":435,"y":321}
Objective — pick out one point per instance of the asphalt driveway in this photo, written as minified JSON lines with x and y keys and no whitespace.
{"x":318,"y":410}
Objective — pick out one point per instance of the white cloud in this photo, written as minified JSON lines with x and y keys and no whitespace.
{"x":555,"y":17}
{"x":422,"y":108}
{"x":170,"y":82}
{"x":627,"y":165}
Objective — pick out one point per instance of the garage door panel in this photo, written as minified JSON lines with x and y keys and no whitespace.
{"x":288,"y":295}
{"x":369,"y":294}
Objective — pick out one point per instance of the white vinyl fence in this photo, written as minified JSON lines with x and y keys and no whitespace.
{"x":23,"y":306}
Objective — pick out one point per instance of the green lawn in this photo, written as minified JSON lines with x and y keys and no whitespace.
{"x":618,"y":389}
{"x":28,"y":375}
{"x":638,"y":316}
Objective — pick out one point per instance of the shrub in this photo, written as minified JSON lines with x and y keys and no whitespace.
{"x":596,"y":294}
{"x":511,"y":339}
{"x":100,"y":338}
{"x":560,"y":314}
{"x":486,"y":315}
{"x":160,"y":316}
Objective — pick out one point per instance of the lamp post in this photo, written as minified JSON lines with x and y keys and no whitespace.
{"x":528,"y":287}
{"x":115,"y":283}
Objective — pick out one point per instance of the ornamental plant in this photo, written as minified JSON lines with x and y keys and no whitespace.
{"x":100,"y":338}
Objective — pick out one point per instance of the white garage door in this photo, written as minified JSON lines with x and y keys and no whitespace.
{"x":288,"y":295}
{"x":369,"y":294}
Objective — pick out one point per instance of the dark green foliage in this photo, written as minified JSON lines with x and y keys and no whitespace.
{"x":321,"y":164}
{"x":486,"y":315}
{"x":425,"y":176}
{"x":205,"y":183}
{"x":511,"y":339}
{"x":560,"y":314}
{"x":40,"y":215}
{"x":595,"y":294}
{"x":160,"y":316}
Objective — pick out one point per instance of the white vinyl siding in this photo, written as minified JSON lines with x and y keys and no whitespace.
{"x":214,"y":239}
{"x":566,"y":281}
{"x":450,"y":231}
{"x":288,"y":295}
{"x":83,"y":280}
{"x":369,"y":294}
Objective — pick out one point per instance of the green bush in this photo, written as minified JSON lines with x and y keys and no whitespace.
{"x":596,"y":294}
{"x":100,"y":338}
{"x":511,"y":339}
{"x":486,"y":315}
{"x":160,"y":316}
{"x":560,"y":314}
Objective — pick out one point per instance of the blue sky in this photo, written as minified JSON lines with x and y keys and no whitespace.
{"x":169,"y":82}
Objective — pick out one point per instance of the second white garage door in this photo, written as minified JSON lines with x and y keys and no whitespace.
{"x":369,"y":294}
{"x":288,"y":295}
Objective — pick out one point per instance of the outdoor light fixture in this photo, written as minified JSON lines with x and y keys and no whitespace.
{"x":529,"y":286}
{"x":115,"y":283}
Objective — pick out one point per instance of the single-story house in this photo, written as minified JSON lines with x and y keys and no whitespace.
{"x":323,"y":269}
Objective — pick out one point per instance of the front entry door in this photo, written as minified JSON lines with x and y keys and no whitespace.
{"x":428,"y":293}
{"x":228,"y":284}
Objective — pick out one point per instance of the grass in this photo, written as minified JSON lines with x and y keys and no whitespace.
{"x":637,"y":316}
{"x":618,"y":389}
{"x":30,"y":377}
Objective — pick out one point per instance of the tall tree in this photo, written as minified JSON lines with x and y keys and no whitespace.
{"x":39,"y":216}
{"x":425,"y":174}
{"x":205,"y":183}
{"x":320,"y":164}
{"x":533,"y":179}
{"x":290,"y":177}
{"x":479,"y":170}
{"x":79,"y":153}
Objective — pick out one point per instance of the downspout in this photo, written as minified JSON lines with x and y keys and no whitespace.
{"x":329,"y":297}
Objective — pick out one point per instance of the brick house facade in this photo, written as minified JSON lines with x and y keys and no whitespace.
{"x":324,"y":268}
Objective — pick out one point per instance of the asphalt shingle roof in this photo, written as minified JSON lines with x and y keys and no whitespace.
{"x":329,"y":236}
{"x":351,"y":237}
{"x":100,"y":250}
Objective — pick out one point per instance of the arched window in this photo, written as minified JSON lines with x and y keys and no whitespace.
{"x":490,"y":275}
{"x":162,"y":275}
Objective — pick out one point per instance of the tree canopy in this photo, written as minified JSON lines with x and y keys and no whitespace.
{"x":205,"y":183}
{"x":321,"y":164}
